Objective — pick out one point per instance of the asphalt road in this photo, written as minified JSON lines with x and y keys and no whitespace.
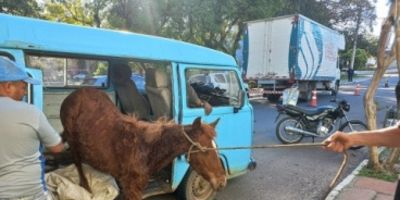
{"x":299,"y":173}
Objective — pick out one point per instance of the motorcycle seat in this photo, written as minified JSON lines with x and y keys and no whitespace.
{"x":310,"y":111}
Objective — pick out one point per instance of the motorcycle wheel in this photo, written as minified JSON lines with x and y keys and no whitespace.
{"x":287,"y":137}
{"x":356,"y":125}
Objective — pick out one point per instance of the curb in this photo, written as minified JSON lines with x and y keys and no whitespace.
{"x":339,"y":187}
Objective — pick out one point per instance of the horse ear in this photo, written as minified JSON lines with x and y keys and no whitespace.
{"x":214,"y":124}
{"x":197,"y":123}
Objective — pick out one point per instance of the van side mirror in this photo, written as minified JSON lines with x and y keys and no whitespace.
{"x":240,"y":103}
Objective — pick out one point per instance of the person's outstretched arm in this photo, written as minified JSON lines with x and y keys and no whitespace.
{"x":340,"y":141}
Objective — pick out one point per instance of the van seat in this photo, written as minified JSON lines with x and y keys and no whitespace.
{"x":158,"y":89}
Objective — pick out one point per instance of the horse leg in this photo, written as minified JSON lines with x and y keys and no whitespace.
{"x":83,"y":181}
{"x":78,"y":163}
{"x":132,"y":187}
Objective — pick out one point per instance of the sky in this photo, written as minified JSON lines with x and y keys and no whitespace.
{"x":381,"y":12}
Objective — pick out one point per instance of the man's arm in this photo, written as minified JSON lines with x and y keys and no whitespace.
{"x":340,"y":141}
{"x":57,"y":148}
{"x":48,"y":136}
{"x":389,"y":137}
{"x":193,"y":99}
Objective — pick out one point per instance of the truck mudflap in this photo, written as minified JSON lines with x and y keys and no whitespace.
{"x":256,"y":92}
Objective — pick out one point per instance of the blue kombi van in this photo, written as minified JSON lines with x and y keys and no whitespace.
{"x":66,"y":57}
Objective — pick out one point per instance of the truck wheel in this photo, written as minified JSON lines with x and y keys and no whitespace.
{"x":336,"y":88}
{"x":195,"y":187}
{"x":273,"y":98}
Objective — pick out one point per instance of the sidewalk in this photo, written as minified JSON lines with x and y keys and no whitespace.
{"x":366,"y":188}
{"x":355,"y":187}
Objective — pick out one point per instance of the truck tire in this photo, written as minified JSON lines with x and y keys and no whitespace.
{"x":273,"y":98}
{"x":335,"y":89}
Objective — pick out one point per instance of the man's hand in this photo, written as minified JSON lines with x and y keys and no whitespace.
{"x":338,"y":142}
{"x":207,"y":107}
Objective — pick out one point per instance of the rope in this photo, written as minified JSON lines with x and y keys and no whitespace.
{"x":194,"y":144}
{"x":263,"y":146}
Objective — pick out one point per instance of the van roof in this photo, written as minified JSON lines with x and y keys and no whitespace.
{"x":41,"y":35}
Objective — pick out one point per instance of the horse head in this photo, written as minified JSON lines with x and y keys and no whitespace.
{"x":207,"y":163}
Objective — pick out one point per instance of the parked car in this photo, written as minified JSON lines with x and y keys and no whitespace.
{"x":80,"y":75}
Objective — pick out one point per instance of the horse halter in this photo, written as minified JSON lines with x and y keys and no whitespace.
{"x":194,"y":144}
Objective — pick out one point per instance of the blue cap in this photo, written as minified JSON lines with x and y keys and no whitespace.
{"x":9,"y":71}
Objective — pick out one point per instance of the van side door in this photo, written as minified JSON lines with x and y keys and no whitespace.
{"x":220,"y":87}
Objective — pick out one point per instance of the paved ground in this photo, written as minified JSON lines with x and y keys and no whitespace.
{"x":365,"y":188}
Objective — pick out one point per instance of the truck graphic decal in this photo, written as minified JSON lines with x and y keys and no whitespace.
{"x":307,"y":57}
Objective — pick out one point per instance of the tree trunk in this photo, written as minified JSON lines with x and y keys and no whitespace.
{"x":370,"y":114}
{"x":383,"y":62}
{"x":355,"y":36}
{"x":392,"y":159}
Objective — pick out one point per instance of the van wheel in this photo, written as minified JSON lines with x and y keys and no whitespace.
{"x":195,"y":187}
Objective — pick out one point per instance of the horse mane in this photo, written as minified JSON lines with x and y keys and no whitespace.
{"x":150,"y":131}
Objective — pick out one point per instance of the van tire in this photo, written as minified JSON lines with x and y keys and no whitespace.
{"x":194,"y":187}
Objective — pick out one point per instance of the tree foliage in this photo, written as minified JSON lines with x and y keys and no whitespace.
{"x":83,"y":12}
{"x":20,"y":7}
{"x":360,"y":60}
{"x":217,"y":24}
{"x":320,"y":11}
{"x":355,"y":16}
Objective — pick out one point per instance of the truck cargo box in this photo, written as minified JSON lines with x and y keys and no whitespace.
{"x":294,"y":45}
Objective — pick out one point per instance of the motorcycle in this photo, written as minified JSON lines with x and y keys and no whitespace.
{"x":316,"y":122}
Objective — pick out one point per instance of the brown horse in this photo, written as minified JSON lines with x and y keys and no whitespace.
{"x":132,"y":150}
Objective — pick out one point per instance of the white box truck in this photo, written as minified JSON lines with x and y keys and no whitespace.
{"x":279,"y":52}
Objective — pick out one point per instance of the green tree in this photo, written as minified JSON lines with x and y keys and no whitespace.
{"x":98,"y":10}
{"x":20,"y":7}
{"x":69,"y":11}
{"x":136,"y":15}
{"x":101,"y":69}
{"x":369,"y":43}
{"x":360,"y":60}
{"x":317,"y":10}
{"x":83,"y":12}
{"x":212,"y":23}
{"x":356,"y":16}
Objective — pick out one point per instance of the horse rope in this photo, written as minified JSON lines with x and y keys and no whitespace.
{"x":194,"y":144}
{"x":331,"y":185}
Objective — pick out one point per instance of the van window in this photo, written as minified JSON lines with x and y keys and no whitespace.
{"x":217,"y":87}
{"x":69,"y":72}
